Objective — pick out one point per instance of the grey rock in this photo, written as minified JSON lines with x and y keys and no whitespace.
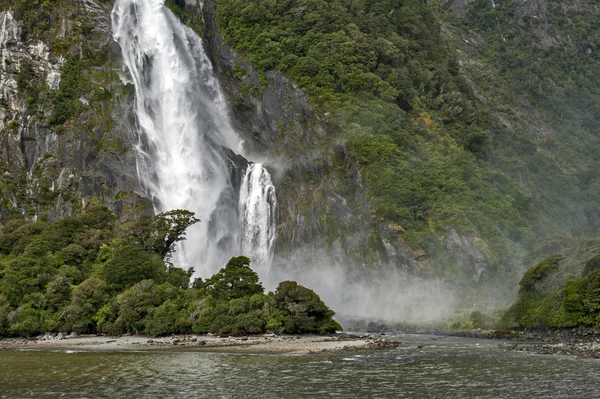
{"x":72,"y":166}
{"x":465,"y":252}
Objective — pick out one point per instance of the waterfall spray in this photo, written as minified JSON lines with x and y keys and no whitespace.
{"x":183,"y":130}
{"x":257,"y":213}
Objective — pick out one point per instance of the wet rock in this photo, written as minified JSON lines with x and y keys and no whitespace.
{"x":465,"y":251}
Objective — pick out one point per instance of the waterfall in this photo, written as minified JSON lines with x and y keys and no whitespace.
{"x":257,"y":212}
{"x":183,"y":131}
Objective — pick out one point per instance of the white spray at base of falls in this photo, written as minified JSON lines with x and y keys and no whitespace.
{"x":257,"y":207}
{"x":183,"y":130}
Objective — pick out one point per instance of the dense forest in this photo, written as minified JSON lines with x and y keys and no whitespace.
{"x":85,"y":274}
{"x":439,"y":144}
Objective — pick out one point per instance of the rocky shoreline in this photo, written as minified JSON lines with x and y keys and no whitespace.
{"x":580,"y":342}
{"x":265,"y":343}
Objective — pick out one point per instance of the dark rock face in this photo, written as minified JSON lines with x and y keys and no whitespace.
{"x":321,"y":207}
{"x":51,"y":171}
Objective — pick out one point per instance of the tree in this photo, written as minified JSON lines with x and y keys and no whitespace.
{"x":98,"y":217}
{"x":171,"y":226}
{"x":137,"y":307}
{"x":235,"y":280}
{"x":178,"y":277}
{"x":88,"y":298}
{"x":301,"y":310}
{"x":537,"y":274}
{"x":161,"y":233}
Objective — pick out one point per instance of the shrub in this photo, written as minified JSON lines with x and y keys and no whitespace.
{"x":301,"y":310}
{"x":235,"y":280}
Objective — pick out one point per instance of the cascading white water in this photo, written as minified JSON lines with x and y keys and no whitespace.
{"x":257,"y":213}
{"x":183,"y":129}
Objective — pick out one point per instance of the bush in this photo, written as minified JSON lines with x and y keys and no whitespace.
{"x":235,"y":280}
{"x":300,"y":310}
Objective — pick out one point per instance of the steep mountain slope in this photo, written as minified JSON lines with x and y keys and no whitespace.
{"x":442,"y":139}
{"x":450,"y":150}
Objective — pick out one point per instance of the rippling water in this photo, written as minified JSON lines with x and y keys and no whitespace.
{"x":442,"y":368}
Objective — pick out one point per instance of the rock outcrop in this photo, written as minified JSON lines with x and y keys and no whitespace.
{"x":465,"y":252}
{"x":52,"y":169}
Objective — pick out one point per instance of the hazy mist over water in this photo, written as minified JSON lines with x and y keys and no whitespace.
{"x":385,"y":293}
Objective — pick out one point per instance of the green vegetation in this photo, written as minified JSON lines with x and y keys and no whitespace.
{"x":87,"y":275}
{"x":79,"y":49}
{"x":560,"y":78}
{"x":388,"y":82}
{"x":560,"y":291}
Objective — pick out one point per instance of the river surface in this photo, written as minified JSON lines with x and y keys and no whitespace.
{"x":422,"y":367}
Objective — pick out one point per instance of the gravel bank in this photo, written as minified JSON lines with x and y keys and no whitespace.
{"x":267,"y":343}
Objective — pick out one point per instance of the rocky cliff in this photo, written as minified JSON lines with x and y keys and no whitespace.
{"x":323,"y":207}
{"x":63,"y":121}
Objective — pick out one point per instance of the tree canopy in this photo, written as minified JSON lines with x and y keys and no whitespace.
{"x":87,"y":275}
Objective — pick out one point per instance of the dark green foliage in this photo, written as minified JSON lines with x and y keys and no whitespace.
{"x":371,"y":50}
{"x":243,"y":315}
{"x":527,"y":310}
{"x":160,"y":233}
{"x":43,"y":268}
{"x":539,"y":272}
{"x":136,"y":304}
{"x":81,"y":274}
{"x":551,"y":295}
{"x":235,"y":280}
{"x":170,"y":227}
{"x":178,"y":277}
{"x":300,"y":310}
{"x":125,"y":263}
{"x":88,"y":298}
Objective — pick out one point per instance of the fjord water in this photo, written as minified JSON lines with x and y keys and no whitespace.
{"x":182,"y":134}
{"x":420,"y":368}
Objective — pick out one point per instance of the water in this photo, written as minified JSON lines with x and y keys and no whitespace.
{"x":443,"y":368}
{"x":183,"y":132}
{"x":257,"y":212}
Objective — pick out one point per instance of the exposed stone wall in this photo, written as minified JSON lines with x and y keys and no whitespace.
{"x":50,"y":171}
